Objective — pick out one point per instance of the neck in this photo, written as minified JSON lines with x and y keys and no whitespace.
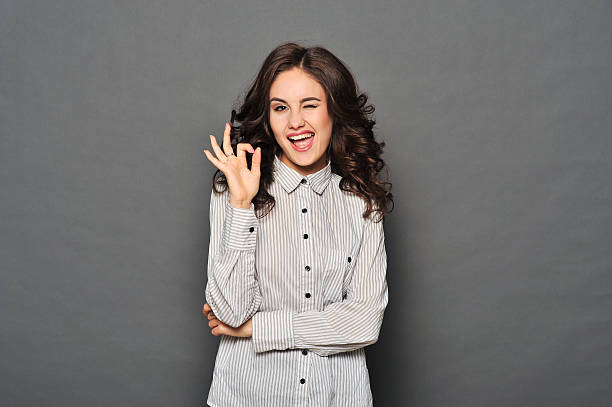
{"x":305,"y":169}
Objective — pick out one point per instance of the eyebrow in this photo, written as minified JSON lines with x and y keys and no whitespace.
{"x":301,"y":101}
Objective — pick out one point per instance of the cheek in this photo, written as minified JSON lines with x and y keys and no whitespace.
{"x":321,"y":120}
{"x":326,"y":126}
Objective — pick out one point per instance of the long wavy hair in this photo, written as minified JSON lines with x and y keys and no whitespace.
{"x":354,"y":153}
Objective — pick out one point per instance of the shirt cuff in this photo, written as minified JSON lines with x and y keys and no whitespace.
{"x":272,"y":330}
{"x":240,"y":229}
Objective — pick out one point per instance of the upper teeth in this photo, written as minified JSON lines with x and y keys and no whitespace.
{"x":301,"y":136}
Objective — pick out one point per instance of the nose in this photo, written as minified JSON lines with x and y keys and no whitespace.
{"x":296,"y":120}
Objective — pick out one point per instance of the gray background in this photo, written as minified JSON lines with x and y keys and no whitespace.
{"x":497,"y":118}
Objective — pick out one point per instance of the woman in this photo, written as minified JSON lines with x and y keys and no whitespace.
{"x":297,"y":263}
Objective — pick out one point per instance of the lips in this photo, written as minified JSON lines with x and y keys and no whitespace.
{"x":290,"y":135}
{"x":301,"y":141}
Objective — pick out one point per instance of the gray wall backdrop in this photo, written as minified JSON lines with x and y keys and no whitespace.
{"x":497,"y":117}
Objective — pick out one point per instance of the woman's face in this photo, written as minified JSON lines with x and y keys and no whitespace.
{"x":298,"y":108}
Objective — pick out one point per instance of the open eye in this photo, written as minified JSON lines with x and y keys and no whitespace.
{"x":278,"y":108}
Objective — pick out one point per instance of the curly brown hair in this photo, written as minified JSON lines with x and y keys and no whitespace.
{"x":354,"y":153}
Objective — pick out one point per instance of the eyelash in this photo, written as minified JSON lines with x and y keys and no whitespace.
{"x":277,"y":110}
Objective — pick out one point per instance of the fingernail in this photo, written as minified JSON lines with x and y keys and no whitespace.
{"x":251,"y":150}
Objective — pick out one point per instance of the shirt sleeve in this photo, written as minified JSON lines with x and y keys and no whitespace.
{"x":232,"y":290}
{"x":342,"y":326}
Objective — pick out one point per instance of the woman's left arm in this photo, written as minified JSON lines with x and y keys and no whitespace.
{"x":342,"y":326}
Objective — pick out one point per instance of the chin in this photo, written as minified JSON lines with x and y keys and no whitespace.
{"x":301,"y":159}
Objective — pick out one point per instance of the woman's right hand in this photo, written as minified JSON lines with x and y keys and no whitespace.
{"x":243,"y":183}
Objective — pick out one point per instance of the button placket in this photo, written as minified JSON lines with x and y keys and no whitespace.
{"x":302,"y":377}
{"x":303,"y":214}
{"x":304,"y":193}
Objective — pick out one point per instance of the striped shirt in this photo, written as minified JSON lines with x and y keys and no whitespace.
{"x":312,"y":276}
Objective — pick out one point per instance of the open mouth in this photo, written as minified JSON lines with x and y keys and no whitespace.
{"x":302,"y":142}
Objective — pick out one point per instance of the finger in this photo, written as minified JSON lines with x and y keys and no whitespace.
{"x":207,"y":310}
{"x":220,"y":330}
{"x":213,"y":323}
{"x":241,"y":148}
{"x":213,"y":160}
{"x":256,"y":162}
{"x":227,"y":142}
{"x":220,"y":155}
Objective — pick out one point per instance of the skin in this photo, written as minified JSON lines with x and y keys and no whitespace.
{"x":294,"y":114}
{"x":297,"y":102}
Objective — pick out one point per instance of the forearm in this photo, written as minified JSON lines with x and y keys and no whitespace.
{"x":342,"y":327}
{"x":232,"y":289}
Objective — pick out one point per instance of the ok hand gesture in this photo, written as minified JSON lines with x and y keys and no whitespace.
{"x":243,"y":183}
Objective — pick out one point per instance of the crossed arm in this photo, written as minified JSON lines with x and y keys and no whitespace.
{"x":234,"y":298}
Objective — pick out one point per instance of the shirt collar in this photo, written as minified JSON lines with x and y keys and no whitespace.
{"x":290,"y":178}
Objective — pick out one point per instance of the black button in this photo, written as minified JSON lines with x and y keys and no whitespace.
{"x":307,"y":295}
{"x":307,"y":268}
{"x":302,"y":381}
{"x":303,"y":181}
{"x":305,"y":236}
{"x":304,"y":352}
{"x":251,"y":229}
{"x":349,"y":259}
{"x":304,"y":210}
